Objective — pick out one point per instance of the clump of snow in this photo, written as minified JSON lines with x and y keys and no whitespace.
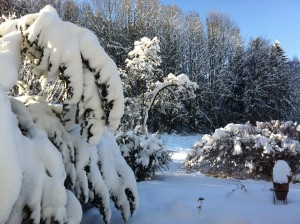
{"x":237,"y":147}
{"x":10,"y":45}
{"x":181,"y":80}
{"x":281,"y":172}
{"x":250,"y":165}
{"x":73,"y":207}
{"x":219,"y":133}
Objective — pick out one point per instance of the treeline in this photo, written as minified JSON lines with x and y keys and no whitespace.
{"x":238,"y":82}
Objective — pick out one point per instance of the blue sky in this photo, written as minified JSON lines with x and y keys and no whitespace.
{"x":272,"y":19}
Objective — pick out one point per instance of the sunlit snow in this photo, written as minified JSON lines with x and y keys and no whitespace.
{"x":173,"y":197}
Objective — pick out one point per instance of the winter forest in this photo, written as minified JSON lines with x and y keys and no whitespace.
{"x":238,"y":82}
{"x":88,"y":89}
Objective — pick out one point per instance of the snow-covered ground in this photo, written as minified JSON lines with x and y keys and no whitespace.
{"x":173,"y":197}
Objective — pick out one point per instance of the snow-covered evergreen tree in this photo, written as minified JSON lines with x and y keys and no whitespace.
{"x":281,"y":93}
{"x":234,"y":100}
{"x":54,"y":156}
{"x":267,"y":92}
{"x":142,"y":73}
{"x":293,"y":68}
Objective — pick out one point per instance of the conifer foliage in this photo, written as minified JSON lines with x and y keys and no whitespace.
{"x":144,"y":153}
{"x":63,"y":151}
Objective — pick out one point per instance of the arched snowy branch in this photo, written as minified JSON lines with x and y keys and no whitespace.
{"x":181,"y":81}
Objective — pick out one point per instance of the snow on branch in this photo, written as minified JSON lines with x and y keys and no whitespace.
{"x":30,"y":161}
{"x":182,"y":82}
{"x":93,"y":89}
{"x":64,"y":151}
{"x":144,"y":57}
{"x":94,"y":174}
{"x":44,"y":118}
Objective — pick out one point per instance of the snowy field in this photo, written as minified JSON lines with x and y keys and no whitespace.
{"x":173,"y":197}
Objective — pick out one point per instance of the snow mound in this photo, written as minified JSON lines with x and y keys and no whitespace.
{"x":281,"y":172}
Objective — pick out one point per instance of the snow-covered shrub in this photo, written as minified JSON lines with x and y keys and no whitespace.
{"x":244,"y":150}
{"x":54,"y":157}
{"x":144,"y":153}
{"x":281,"y":172}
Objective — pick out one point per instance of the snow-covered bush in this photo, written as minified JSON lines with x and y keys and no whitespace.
{"x":144,"y":153}
{"x":52,"y":157}
{"x":244,"y":150}
{"x":281,"y":172}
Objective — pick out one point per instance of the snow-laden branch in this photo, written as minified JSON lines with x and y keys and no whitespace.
{"x":9,"y":159}
{"x":102,"y":174}
{"x":30,"y":135}
{"x":144,"y":57}
{"x":54,"y":157}
{"x":93,"y":89}
{"x":44,"y":118}
{"x":30,"y":161}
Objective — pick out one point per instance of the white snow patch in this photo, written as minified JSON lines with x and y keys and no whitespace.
{"x":220,"y":133}
{"x":237,"y":147}
{"x":281,"y":172}
{"x":173,"y":198}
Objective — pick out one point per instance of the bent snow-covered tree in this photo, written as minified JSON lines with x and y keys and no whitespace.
{"x":144,"y":83}
{"x":52,"y":157}
{"x":144,"y":87}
